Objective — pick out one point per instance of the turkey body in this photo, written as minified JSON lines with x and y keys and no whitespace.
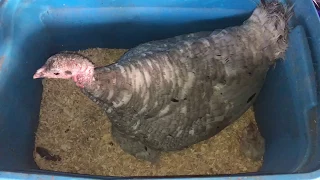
{"x":169,"y":94}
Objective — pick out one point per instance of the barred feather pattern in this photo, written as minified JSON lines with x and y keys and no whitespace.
{"x":173,"y":93}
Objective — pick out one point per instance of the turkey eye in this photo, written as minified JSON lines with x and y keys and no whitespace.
{"x":56,"y":74}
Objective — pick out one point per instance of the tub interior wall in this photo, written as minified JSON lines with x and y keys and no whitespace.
{"x":38,"y":31}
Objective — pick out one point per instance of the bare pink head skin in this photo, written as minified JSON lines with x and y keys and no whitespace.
{"x":68,"y":66}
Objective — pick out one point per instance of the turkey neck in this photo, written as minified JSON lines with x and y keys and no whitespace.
{"x":109,"y":88}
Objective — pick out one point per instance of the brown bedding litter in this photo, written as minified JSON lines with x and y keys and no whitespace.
{"x":76,"y":133}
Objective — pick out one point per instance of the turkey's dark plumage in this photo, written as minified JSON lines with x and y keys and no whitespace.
{"x":169,"y":94}
{"x":198,"y":100}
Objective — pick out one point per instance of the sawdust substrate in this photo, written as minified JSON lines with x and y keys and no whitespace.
{"x":74,"y":128}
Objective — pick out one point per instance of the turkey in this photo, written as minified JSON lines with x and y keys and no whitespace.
{"x":169,"y":94}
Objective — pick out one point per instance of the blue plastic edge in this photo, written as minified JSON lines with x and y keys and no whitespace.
{"x":9,"y":175}
{"x":308,"y":18}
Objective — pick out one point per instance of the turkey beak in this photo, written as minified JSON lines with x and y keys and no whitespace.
{"x":39,"y":73}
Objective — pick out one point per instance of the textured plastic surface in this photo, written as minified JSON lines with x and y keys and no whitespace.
{"x":31,"y":30}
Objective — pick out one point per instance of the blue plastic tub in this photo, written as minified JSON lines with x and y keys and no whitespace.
{"x":31,"y":30}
